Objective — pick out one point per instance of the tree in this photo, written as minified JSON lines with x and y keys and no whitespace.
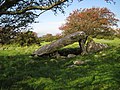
{"x":58,"y":36}
{"x":117,"y":32}
{"x":93,"y":21}
{"x":26,"y":38}
{"x":6,"y":35}
{"x":13,"y":7}
{"x":18,"y":14}
{"x":48,"y":37}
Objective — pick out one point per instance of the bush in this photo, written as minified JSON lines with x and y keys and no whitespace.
{"x":105,"y":37}
{"x":27,"y":38}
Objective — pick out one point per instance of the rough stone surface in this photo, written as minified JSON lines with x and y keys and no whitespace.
{"x":94,"y":47}
{"x":78,"y":62}
{"x":56,"y":55}
{"x":54,"y":46}
{"x":71,"y":66}
{"x":71,"y":55}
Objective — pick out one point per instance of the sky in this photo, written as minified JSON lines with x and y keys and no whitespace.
{"x":50,"y":23}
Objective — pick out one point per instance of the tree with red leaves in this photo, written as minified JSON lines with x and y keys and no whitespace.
{"x":18,"y":14}
{"x":93,"y":21}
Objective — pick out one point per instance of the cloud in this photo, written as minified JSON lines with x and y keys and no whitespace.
{"x":47,"y":27}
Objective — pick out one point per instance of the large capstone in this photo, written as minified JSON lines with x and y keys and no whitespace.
{"x":56,"y":45}
{"x":81,"y":37}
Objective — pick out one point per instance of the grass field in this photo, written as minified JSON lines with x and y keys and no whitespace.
{"x":20,"y":71}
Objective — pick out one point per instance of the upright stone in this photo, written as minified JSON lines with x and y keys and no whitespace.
{"x":94,"y":47}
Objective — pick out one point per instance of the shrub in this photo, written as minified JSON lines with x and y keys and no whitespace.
{"x":27,"y":38}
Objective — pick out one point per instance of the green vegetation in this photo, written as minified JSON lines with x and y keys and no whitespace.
{"x":20,"y":71}
{"x":114,"y":42}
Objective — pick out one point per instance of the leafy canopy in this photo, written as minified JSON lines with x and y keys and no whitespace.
{"x":93,"y":21}
{"x":15,"y":15}
{"x":19,"y":13}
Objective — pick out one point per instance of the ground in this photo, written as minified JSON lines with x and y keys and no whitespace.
{"x":20,"y":71}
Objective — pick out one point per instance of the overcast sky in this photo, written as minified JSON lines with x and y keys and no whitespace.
{"x":50,"y":23}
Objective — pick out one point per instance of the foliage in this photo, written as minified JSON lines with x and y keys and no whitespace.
{"x":93,"y":21}
{"x":117,"y":34}
{"x":15,"y":15}
{"x":6,"y":35}
{"x":23,"y":6}
{"x":47,"y":38}
{"x":27,"y":38}
{"x":20,"y":71}
{"x":105,"y":37}
{"x":21,"y":38}
{"x":114,"y":35}
{"x":13,"y":7}
{"x":18,"y":14}
{"x":58,"y":36}
{"x":114,"y":42}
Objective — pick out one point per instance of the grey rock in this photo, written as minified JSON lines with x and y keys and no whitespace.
{"x":80,"y":37}
{"x":70,"y":66}
{"x":78,"y":62}
{"x":54,"y":46}
{"x":53,"y":60}
{"x":71,"y":55}
{"x":94,"y":47}
{"x":63,"y":57}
